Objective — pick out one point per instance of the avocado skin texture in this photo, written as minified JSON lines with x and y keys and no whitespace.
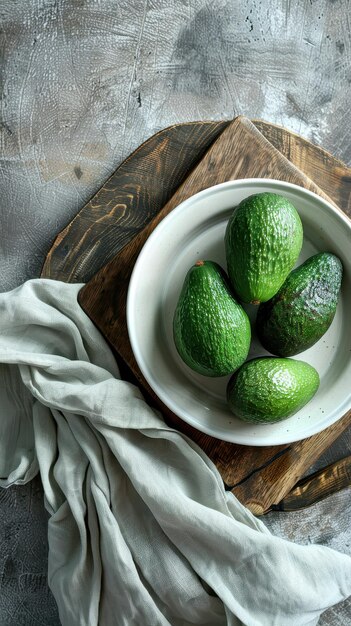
{"x":263,"y":240}
{"x":304,"y":307}
{"x":269,"y":389}
{"x":211,"y":330}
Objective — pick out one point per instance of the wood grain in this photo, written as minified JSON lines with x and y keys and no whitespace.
{"x":129,"y":199}
{"x":327,"y":172}
{"x":317,"y":486}
{"x":241,"y":151}
{"x":268,"y":486}
{"x":120,"y":209}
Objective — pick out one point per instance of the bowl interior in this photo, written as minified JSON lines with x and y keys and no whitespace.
{"x":194,"y":230}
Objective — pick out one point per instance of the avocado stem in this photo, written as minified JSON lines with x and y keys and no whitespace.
{"x":255,"y":302}
{"x":199,"y":263}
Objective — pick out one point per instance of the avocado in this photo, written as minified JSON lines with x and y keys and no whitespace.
{"x":263,"y":240}
{"x":211,"y":330}
{"x":304,"y":307}
{"x":269,"y":389}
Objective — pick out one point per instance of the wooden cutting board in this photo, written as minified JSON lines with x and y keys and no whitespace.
{"x":170,"y":167}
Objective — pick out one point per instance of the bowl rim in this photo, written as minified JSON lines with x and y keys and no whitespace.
{"x":182,"y":206}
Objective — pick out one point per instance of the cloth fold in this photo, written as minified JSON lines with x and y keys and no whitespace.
{"x":142,"y":532}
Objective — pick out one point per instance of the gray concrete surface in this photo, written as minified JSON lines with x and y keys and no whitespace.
{"x":84,"y":82}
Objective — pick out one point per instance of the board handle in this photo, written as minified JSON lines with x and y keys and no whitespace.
{"x":277,"y":480}
{"x":317,"y":487}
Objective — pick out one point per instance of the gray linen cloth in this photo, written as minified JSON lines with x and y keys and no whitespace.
{"x":142,"y":532}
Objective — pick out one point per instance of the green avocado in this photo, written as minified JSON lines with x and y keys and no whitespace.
{"x":304,"y":307}
{"x":269,"y":389}
{"x":211,"y":330}
{"x":263,"y":240}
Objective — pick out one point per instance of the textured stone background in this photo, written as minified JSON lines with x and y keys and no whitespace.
{"x":84,"y":83}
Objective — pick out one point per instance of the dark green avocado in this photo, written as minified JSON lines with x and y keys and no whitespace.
{"x":263,"y":240}
{"x":269,"y":389}
{"x":211,"y":330}
{"x":304,"y":307}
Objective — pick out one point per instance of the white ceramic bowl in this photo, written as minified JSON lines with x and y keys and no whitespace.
{"x":195,"y":230}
